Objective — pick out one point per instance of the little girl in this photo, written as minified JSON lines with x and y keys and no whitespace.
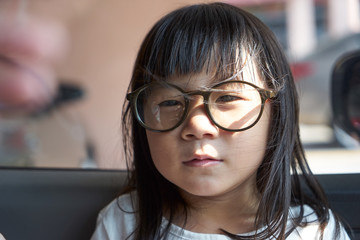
{"x":211,"y":137}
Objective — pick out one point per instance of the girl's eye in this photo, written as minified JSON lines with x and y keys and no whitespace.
{"x":169,"y":103}
{"x":228,"y":98}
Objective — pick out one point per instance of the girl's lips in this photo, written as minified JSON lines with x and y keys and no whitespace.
{"x":202,"y":162}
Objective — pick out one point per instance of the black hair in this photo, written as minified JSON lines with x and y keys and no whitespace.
{"x":214,"y":37}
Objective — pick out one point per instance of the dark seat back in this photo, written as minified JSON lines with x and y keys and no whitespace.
{"x":343,"y":192}
{"x":60,"y":204}
{"x":54,"y":204}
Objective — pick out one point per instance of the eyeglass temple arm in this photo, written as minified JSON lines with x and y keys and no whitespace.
{"x":270,"y":93}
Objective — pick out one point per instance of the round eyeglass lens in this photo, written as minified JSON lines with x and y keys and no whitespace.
{"x":160,"y":107}
{"x":235,"y":105}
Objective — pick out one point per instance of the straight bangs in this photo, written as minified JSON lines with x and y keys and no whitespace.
{"x":200,"y":38}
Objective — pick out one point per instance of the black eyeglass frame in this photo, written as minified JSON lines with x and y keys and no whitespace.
{"x":133,"y":96}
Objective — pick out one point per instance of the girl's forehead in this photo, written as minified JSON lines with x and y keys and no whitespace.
{"x":204,"y":79}
{"x":192,"y":81}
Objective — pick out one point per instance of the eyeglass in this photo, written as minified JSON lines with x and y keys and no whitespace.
{"x":231,"y":106}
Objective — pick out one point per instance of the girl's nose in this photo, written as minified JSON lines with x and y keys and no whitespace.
{"x":198,"y":125}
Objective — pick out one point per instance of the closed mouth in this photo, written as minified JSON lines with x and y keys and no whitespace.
{"x":203,"y":161}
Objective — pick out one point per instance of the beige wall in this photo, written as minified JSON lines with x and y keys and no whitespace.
{"x":104,"y":38}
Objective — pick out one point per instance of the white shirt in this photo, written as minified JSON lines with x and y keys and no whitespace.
{"x":117,"y":221}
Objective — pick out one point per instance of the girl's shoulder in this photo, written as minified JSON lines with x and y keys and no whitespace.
{"x":311,"y":228}
{"x":125,"y":203}
{"x":117,"y":220}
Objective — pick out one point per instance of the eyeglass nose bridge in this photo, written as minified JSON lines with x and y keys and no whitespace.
{"x":205,"y":96}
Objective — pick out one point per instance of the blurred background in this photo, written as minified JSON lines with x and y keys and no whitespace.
{"x":65,"y":66}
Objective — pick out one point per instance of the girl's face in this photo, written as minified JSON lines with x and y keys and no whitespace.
{"x":203,"y":160}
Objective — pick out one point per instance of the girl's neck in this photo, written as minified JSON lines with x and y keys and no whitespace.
{"x":233,"y":212}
